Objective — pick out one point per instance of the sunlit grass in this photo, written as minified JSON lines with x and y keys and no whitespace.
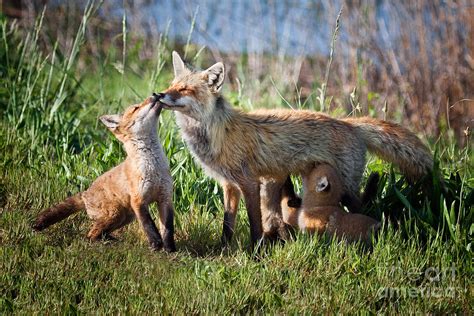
{"x":52,"y":145}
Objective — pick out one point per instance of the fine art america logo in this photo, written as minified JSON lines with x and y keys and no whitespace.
{"x":433,"y":283}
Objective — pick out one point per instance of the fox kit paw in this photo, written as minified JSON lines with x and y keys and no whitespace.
{"x":169,"y":244}
{"x":295,"y":202}
{"x":170,"y":248}
{"x":94,"y":234}
{"x":156,"y":245}
{"x":38,"y":226}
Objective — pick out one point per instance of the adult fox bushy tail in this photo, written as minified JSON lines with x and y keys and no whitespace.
{"x":240,"y":149}
{"x":60,"y":211}
{"x":125,"y":192}
{"x":395,"y":144}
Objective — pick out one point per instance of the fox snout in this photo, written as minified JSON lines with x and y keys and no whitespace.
{"x":172,"y":99}
{"x":156,"y":97}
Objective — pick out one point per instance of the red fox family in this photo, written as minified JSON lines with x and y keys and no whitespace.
{"x":251,"y":154}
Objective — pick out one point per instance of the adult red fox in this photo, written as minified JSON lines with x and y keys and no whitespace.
{"x":239,"y":149}
{"x":118,"y":196}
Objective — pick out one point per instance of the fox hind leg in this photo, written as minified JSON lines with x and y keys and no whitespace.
{"x":103,"y":226}
{"x":272,"y":220}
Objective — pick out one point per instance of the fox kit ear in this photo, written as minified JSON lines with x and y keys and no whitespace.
{"x":178,"y":65}
{"x":215,"y":76}
{"x":111,"y":121}
{"x":322,"y":185}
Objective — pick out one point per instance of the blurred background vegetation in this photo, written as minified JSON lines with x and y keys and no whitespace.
{"x":410,"y":61}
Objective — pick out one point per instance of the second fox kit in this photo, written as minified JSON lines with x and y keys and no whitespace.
{"x":240,"y":149}
{"x":291,"y":202}
{"x":321,"y":212}
{"x":118,"y":196}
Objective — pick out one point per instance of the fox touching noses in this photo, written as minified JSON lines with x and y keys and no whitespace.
{"x":240,"y":149}
{"x":191,"y":94}
{"x":125,"y":192}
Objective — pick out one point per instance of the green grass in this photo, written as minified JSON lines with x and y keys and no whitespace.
{"x":51,"y":145}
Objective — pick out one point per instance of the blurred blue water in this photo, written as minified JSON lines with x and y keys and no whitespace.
{"x":288,"y":27}
{"x":293,"y":27}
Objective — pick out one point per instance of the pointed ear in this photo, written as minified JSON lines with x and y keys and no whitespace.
{"x":178,"y":64}
{"x":215,"y":76}
{"x":111,"y":121}
{"x":322,"y":185}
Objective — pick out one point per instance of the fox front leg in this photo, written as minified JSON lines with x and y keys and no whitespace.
{"x":231,"y":205}
{"x":251,"y":192}
{"x":146,"y":222}
{"x":166,"y":209}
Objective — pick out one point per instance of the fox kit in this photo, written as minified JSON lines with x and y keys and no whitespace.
{"x":291,"y":202}
{"x":118,"y":196}
{"x":240,"y":149}
{"x":322,"y":213}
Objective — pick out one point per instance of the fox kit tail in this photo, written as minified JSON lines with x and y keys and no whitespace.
{"x":395,"y":144}
{"x":59,"y":212}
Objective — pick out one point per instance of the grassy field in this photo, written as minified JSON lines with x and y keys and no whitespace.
{"x":52,"y":145}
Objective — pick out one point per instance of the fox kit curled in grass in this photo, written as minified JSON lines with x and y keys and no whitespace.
{"x":239,"y":149}
{"x":291,"y":202}
{"x":322,"y":213}
{"x":118,"y":196}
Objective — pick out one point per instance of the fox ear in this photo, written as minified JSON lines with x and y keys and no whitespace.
{"x":178,"y":64}
{"x":215,"y":76}
{"x":322,"y":185}
{"x":111,"y":121}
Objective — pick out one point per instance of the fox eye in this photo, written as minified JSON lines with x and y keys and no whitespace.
{"x":182,"y":89}
{"x":134,"y":109}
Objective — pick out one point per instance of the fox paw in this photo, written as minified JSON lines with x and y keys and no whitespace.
{"x":169,"y":246}
{"x":156,"y":245}
{"x":38,"y":226}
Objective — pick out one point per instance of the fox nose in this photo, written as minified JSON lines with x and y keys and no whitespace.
{"x":158,"y":96}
